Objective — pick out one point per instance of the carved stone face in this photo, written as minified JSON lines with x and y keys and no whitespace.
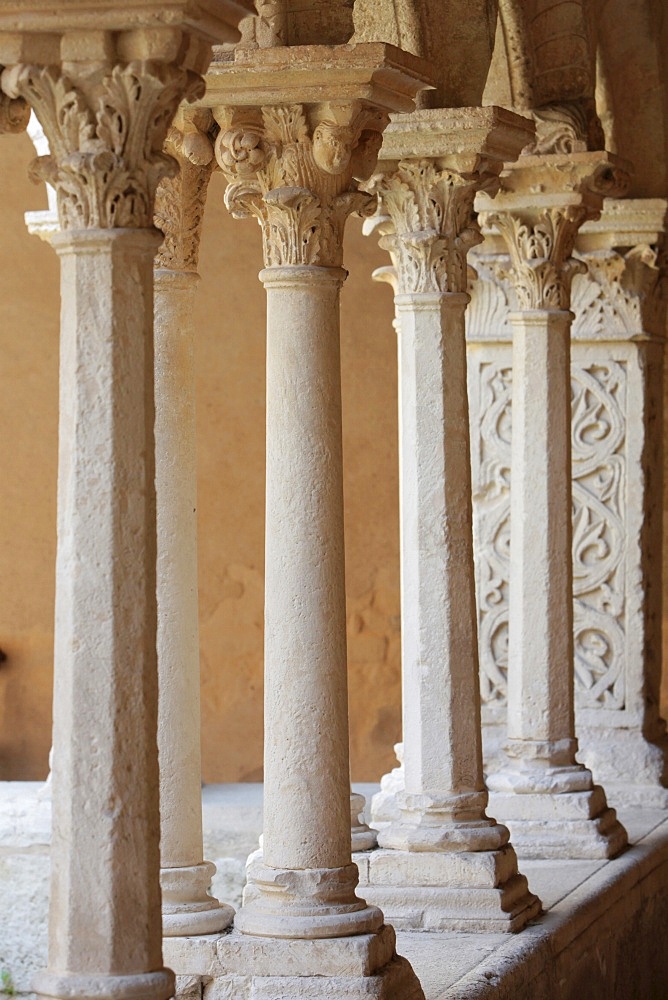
{"x":332,"y":147}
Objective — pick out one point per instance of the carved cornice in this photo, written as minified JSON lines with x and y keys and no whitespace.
{"x":106,"y":132}
{"x":180,"y":200}
{"x":295,"y":169}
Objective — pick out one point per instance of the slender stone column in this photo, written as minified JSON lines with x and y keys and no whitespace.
{"x":105,"y":115}
{"x":545,"y":796}
{"x":448,"y":866}
{"x":617,"y":346}
{"x":186,"y":906}
{"x":292,"y":163}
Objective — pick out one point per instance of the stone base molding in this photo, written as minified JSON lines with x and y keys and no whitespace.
{"x":257,"y":968}
{"x":563,"y":825}
{"x":472,"y":891}
{"x":362,"y":837}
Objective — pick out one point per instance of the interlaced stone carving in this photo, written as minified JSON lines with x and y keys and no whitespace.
{"x":106,"y":134}
{"x":180,"y":200}
{"x":540,"y":249}
{"x":296,"y":171}
{"x":431,"y":214}
{"x":599,"y":460}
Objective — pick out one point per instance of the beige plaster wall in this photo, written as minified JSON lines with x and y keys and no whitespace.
{"x":230,"y":401}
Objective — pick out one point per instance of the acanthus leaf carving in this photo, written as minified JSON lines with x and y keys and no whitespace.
{"x":623,"y":294}
{"x":106,"y":134}
{"x":296,"y":171}
{"x":540,"y":245}
{"x":433,"y":225}
{"x":180,"y":200}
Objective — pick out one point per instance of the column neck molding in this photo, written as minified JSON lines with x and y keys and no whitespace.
{"x":180,"y":199}
{"x":541,"y":205}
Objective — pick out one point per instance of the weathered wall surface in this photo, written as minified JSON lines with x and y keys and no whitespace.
{"x":230,"y":349}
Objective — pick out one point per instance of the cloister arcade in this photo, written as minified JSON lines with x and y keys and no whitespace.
{"x":460,"y":549}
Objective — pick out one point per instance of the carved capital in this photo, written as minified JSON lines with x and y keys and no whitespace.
{"x":623,"y":295}
{"x":180,"y":200}
{"x":106,"y":130}
{"x":295,"y":169}
{"x":426,"y":213}
{"x":540,"y":244}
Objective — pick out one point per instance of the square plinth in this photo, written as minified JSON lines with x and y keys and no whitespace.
{"x":439,"y":891}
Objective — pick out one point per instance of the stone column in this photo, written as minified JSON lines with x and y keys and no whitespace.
{"x":545,"y":796}
{"x":617,"y":346}
{"x":445,"y":864}
{"x":292,"y":162}
{"x":105,"y":99}
{"x":187,"y":908}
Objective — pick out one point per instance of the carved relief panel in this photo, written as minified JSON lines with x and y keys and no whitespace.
{"x":606,"y":392}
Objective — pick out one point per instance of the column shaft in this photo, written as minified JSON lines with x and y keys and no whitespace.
{"x":105,"y":777}
{"x":540,"y":681}
{"x":185,"y":877}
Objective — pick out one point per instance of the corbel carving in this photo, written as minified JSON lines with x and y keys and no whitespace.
{"x":106,"y":133}
{"x":295,"y":169}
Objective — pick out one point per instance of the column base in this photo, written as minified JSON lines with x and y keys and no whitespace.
{"x":350,"y":968}
{"x":158,"y":985}
{"x":631,"y":768}
{"x":304,"y":904}
{"x":447,"y":823}
{"x":362,"y":837}
{"x":187,"y":907}
{"x":569,"y":825}
{"x":460,"y":891}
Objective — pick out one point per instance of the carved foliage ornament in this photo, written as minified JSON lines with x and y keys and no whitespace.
{"x":540,"y":252}
{"x":599,"y":476}
{"x":433,"y":222}
{"x":106,"y":137}
{"x":298,"y":177}
{"x":623,"y":295}
{"x":180,"y":200}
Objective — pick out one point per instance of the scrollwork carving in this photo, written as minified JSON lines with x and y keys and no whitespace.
{"x":296,"y":170}
{"x":105,"y":137}
{"x":599,"y":470}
